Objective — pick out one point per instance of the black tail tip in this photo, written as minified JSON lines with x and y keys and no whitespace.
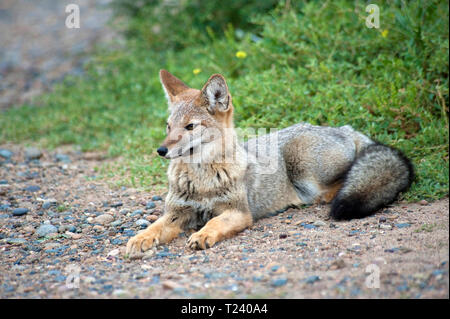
{"x":346,"y":209}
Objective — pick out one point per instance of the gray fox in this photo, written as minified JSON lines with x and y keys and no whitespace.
{"x":218,"y":187}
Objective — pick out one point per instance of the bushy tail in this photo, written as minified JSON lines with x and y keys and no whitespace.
{"x":374,"y":180}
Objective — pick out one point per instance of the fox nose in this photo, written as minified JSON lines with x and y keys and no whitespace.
{"x":162,"y":151}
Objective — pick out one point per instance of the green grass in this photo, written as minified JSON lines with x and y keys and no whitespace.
{"x":315,"y":62}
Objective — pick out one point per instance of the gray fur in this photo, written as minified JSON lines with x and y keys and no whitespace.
{"x":327,"y":153}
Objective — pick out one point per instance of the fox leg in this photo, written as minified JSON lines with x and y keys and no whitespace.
{"x":226,"y":225}
{"x":162,"y":231}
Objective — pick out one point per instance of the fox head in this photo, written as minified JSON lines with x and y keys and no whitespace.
{"x":199,"y":120}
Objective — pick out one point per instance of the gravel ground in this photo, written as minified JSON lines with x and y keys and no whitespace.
{"x":36,"y":48}
{"x":63,"y":233}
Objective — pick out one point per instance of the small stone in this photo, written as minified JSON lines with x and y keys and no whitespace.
{"x":73,"y":235}
{"x":278,"y":282}
{"x":104,"y":219}
{"x":71,"y":228}
{"x":152,"y":218}
{"x":98,"y":228}
{"x":20,"y":211}
{"x":62,"y":158}
{"x":118,"y":204}
{"x":49,"y":203}
{"x":338,"y":264}
{"x":171,"y":285}
{"x":4,"y":188}
{"x":385,"y":226}
{"x":28,"y":229}
{"x":136,"y":212}
{"x":312,"y":279}
{"x":114,"y":252}
{"x":46,"y":229}
{"x":283,"y":236}
{"x":382,"y":219}
{"x":6,"y":153}
{"x":319,"y":223}
{"x":403,"y":225}
{"x":32,"y":153}
{"x":116,"y":223}
{"x":150,"y":205}
{"x":423,"y":202}
{"x":301,"y":244}
{"x":16,"y":241}
{"x":142,"y":223}
{"x":274,"y":268}
{"x":156,"y":198}
{"x":32,"y":188}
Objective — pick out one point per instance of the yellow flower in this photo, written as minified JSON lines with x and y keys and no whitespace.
{"x":384,"y":33}
{"x":196,"y":71}
{"x":241,"y":55}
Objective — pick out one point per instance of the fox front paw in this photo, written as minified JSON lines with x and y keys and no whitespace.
{"x":202,"y":239}
{"x":141,"y":243}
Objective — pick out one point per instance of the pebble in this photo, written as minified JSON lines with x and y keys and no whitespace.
{"x":16,"y":241}
{"x":116,"y":223}
{"x":32,"y":153}
{"x":62,"y":158}
{"x":6,"y":153}
{"x":73,"y":235}
{"x":104,"y":219}
{"x":136,"y":212}
{"x":155,"y":198}
{"x":152,"y":218}
{"x":32,"y":188}
{"x":338,"y":264}
{"x":319,"y":223}
{"x":312,"y":279}
{"x":382,"y":219}
{"x":423,"y":202}
{"x":28,"y":229}
{"x":98,"y":228}
{"x":385,"y":226}
{"x":278,"y":282}
{"x":20,"y":211}
{"x":403,"y":225}
{"x":114,"y":252}
{"x":171,"y":285}
{"x":142,"y":223}
{"x":46,"y":229}
{"x":150,"y":205}
{"x":4,"y":188}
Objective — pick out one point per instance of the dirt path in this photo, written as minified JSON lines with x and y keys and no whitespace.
{"x":36,"y":48}
{"x":74,"y":227}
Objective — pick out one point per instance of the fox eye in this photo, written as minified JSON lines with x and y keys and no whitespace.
{"x":189,"y":127}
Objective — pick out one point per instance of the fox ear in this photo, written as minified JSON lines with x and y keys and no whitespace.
{"x":171,"y":84}
{"x":215,"y":92}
